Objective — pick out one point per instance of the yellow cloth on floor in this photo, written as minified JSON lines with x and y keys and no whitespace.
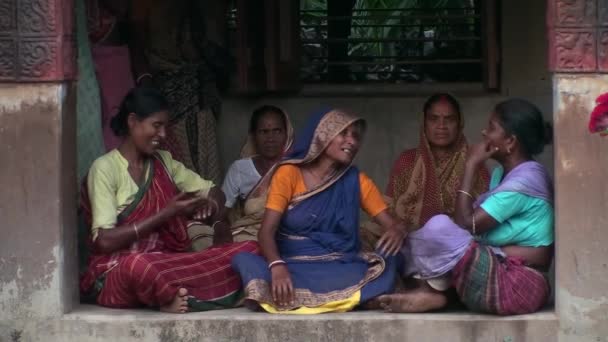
{"x":343,"y":305}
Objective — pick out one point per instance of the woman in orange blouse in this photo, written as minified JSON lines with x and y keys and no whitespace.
{"x":309,"y":236}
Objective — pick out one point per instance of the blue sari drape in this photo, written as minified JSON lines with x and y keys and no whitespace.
{"x":318,"y":238}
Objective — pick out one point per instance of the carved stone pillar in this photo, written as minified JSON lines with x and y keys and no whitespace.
{"x":578,"y":35}
{"x":37,"y":40}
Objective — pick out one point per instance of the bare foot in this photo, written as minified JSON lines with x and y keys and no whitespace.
{"x":419,"y":300}
{"x":179,"y":304}
{"x":252,"y":305}
{"x":372,"y":304}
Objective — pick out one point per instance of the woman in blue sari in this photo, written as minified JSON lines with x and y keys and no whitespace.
{"x":309,"y":236}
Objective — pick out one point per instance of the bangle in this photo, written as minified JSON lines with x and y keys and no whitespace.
{"x":136,"y":231}
{"x":466,"y":193}
{"x":473,"y":228}
{"x":276,"y":262}
{"x":214,"y":223}
{"x":142,"y":76}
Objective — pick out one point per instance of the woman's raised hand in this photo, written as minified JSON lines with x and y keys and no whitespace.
{"x":479,"y":153}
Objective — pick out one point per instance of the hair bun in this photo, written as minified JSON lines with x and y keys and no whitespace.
{"x":118,"y":123}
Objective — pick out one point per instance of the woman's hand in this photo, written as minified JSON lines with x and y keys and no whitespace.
{"x":184,"y":204}
{"x":479,"y":153}
{"x":207,"y":209}
{"x":282,"y":288}
{"x":391,"y":241}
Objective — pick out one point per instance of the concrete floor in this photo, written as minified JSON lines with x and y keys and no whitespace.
{"x":93,"y":323}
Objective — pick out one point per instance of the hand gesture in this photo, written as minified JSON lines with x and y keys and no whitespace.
{"x":479,"y":153}
{"x":184,"y":204}
{"x":391,"y":241}
{"x":207,"y":208}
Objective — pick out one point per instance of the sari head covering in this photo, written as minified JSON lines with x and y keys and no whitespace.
{"x":249,"y":149}
{"x":426,"y":187}
{"x":318,"y":236}
{"x":599,"y":115}
{"x":333,"y":231}
{"x":320,"y":130}
{"x":246,"y":216}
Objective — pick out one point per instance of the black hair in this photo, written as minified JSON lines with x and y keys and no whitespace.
{"x":524,"y":120}
{"x":143,"y":101}
{"x":259,"y":112}
{"x":441,"y":97}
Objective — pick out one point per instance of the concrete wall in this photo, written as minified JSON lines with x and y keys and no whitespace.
{"x":582,"y":253}
{"x":394,"y":120}
{"x":37,"y":204}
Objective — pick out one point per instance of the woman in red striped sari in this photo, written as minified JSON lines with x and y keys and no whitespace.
{"x":137,"y":202}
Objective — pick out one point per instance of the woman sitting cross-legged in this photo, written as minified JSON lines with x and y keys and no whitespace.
{"x":424,"y":180}
{"x":309,"y":236}
{"x":494,"y":250}
{"x":137,"y":201}
{"x":247,"y":181}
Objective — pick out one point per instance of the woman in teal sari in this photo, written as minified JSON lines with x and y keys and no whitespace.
{"x":309,"y":236}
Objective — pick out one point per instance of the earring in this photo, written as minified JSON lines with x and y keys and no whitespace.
{"x":508,"y":150}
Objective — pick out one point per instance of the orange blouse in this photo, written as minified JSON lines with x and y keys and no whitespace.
{"x":288,"y":182}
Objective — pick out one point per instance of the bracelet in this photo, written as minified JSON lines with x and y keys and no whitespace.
{"x":142,"y":76}
{"x":136,"y":231}
{"x":466,"y":193}
{"x":473,"y":228}
{"x":214,"y":223}
{"x":276,"y":262}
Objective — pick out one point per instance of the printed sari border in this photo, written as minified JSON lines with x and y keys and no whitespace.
{"x":259,"y":289}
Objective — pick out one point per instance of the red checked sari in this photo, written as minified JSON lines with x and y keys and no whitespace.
{"x":152,"y":269}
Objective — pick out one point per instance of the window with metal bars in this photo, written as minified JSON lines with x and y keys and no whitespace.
{"x":283,"y":43}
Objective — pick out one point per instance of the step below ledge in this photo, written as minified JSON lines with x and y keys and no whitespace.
{"x":97,"y":313}
{"x":89,"y":323}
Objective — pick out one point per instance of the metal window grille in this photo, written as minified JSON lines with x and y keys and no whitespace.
{"x":418,"y":41}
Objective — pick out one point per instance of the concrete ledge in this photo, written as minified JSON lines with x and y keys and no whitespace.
{"x":92,"y":323}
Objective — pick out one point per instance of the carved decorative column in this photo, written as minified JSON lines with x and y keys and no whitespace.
{"x":578,"y":57}
{"x":578,"y":35}
{"x":37,"y":40}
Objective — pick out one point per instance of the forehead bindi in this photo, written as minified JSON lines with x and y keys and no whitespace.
{"x":270,"y":121}
{"x":443,"y":107}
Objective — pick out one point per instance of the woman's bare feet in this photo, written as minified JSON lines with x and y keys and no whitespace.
{"x":179,"y":304}
{"x":418,"y":300}
{"x":372,"y":304}
{"x":252,"y":305}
